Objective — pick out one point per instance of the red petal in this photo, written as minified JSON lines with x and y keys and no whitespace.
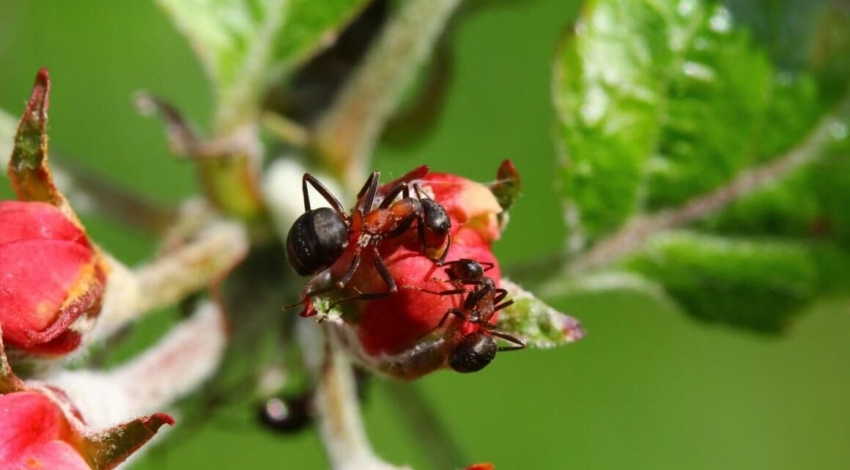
{"x":29,"y":420}
{"x":36,"y":220}
{"x":54,"y":455}
{"x":394,"y":324}
{"x":39,"y":278}
{"x":468,"y":204}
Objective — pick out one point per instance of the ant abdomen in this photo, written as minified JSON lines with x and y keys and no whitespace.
{"x":316,"y":240}
{"x":472,"y":353}
{"x":436,"y":230}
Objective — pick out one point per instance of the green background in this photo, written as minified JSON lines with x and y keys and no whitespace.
{"x":647,"y":389}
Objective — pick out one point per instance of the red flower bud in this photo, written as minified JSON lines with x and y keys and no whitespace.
{"x":481,"y":466}
{"x":36,"y":434}
{"x":469,"y":204}
{"x":398,"y":334}
{"x":50,"y":276}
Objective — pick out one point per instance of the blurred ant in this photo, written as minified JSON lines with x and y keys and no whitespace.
{"x":286,"y":414}
{"x":477,"y":349}
{"x":320,"y":236}
{"x":290,"y":413}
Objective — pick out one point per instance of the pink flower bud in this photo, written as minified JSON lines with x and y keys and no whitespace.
{"x":50,"y":276}
{"x":36,"y":434}
{"x":42,"y":429}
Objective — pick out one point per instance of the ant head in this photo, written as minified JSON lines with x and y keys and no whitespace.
{"x":465,"y":269}
{"x":473,"y":353}
{"x":316,"y":240}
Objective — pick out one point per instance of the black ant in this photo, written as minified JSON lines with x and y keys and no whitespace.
{"x":320,"y":236}
{"x":477,"y":349}
{"x":290,"y":413}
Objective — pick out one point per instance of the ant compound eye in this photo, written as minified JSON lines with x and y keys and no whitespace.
{"x":473,"y":353}
{"x":316,"y":240}
{"x":285,"y":415}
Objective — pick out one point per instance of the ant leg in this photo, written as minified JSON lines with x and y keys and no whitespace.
{"x":520,"y":344}
{"x":372,"y":176}
{"x":451,"y":311}
{"x":445,"y":292}
{"x":487,"y":266}
{"x":318,"y":186}
{"x":503,"y":305}
{"x":390,"y":197}
{"x":368,"y":191}
{"x":361,"y":296}
{"x":346,"y":278}
{"x":403,"y":224}
{"x":474,"y":298}
{"x":383,"y":271}
{"x":500,"y":295}
{"x":355,"y":263}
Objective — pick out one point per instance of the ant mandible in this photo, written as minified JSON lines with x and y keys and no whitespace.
{"x":320,"y":236}
{"x":476,"y":349}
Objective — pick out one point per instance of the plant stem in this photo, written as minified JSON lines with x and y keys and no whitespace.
{"x":336,"y":404}
{"x":154,"y":380}
{"x":195,"y":266}
{"x":347,"y":135}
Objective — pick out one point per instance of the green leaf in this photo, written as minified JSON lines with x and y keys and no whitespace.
{"x":27,"y":169}
{"x":753,"y":283}
{"x":783,"y":28}
{"x":683,"y":115}
{"x":535,"y":322}
{"x":661,"y":101}
{"x":808,"y":205}
{"x":108,"y":448}
{"x":244,"y":45}
{"x":606,"y":96}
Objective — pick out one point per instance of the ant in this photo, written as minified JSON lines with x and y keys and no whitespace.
{"x":286,"y":414}
{"x":476,"y":349}
{"x":319,"y":237}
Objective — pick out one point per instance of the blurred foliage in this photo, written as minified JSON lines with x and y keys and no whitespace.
{"x":657,"y":102}
{"x":662,"y":103}
{"x":244,"y":46}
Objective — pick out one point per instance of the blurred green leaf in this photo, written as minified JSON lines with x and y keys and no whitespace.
{"x":809,"y":205}
{"x":663,"y":106}
{"x":243,"y":45}
{"x":748,"y":282}
{"x":783,"y":28}
{"x":535,"y":322}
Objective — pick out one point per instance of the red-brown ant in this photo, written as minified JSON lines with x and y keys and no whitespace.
{"x":320,"y":236}
{"x":476,"y":349}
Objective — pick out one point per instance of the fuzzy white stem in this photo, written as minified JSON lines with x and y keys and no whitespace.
{"x":336,"y":404}
{"x":153,"y":381}
{"x":195,"y":266}
{"x":348,"y":134}
{"x":130,"y":295}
